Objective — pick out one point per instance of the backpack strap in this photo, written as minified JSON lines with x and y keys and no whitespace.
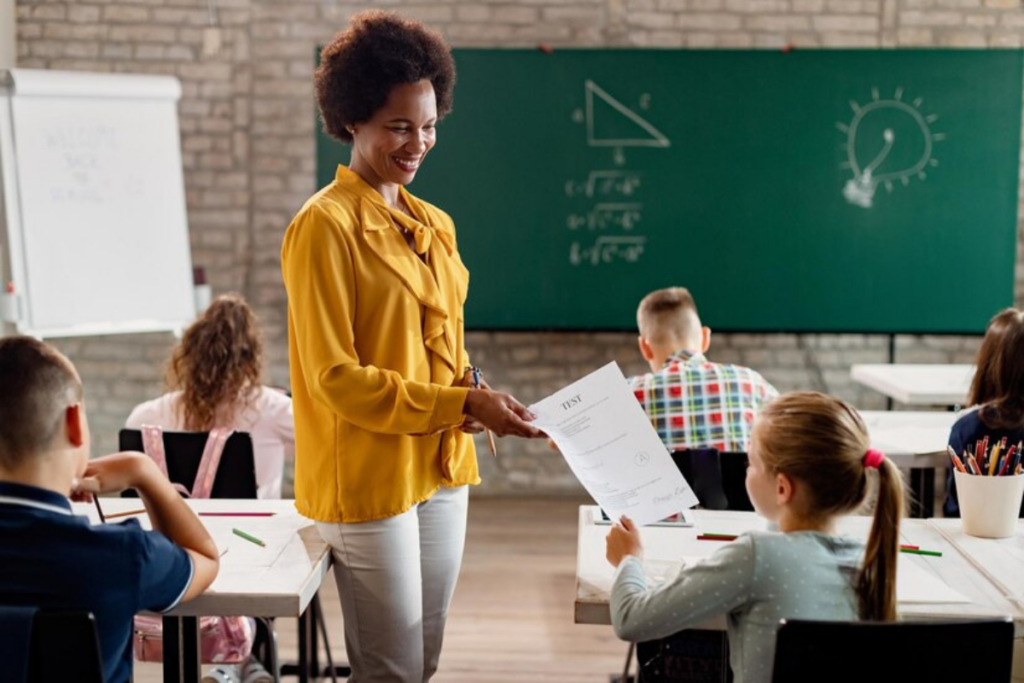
{"x":153,"y":445}
{"x":208,"y":466}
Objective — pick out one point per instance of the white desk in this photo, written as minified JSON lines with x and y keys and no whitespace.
{"x":915,"y":440}
{"x":1001,"y":559}
{"x":278,"y":580}
{"x":665,"y":545}
{"x":944,"y":385}
{"x":911,"y":439}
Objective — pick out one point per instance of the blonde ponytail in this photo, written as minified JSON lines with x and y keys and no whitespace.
{"x":876,"y":582}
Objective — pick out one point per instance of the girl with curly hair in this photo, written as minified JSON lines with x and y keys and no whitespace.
{"x":214,"y":381}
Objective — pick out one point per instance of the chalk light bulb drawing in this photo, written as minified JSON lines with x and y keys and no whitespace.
{"x":888,"y":141}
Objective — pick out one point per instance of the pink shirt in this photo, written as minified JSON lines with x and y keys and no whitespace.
{"x":268,"y":420}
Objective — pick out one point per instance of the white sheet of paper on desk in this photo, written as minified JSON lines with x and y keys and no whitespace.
{"x":612,"y":448}
{"x":914,"y":584}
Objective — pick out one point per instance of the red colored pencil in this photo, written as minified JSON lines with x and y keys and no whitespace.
{"x":237,"y":514}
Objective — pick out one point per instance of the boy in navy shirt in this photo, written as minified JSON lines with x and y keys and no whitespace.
{"x":52,"y":559}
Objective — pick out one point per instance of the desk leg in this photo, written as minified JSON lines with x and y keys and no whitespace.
{"x":181,"y":650}
{"x":922,"y":488}
{"x":308,"y":661}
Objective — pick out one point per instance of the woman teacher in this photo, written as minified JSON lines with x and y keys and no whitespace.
{"x":383,"y":401}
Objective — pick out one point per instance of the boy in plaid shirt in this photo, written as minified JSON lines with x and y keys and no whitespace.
{"x":692,"y":402}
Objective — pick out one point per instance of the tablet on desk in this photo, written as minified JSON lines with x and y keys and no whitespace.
{"x":684,"y":518}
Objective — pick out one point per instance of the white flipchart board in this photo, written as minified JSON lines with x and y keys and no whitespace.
{"x":94,"y":203}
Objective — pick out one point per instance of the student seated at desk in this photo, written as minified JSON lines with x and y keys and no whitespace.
{"x":691,"y":401}
{"x":810,"y":462}
{"x":997,"y":395}
{"x":214,"y":374}
{"x":55,"y":560}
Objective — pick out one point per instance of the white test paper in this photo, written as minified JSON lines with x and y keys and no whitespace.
{"x":612,"y":448}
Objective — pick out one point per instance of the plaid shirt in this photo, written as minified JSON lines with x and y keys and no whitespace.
{"x":694,"y":403}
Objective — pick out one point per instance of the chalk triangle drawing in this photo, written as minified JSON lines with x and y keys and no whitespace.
{"x":631,"y":130}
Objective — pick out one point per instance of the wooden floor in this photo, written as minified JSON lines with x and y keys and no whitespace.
{"x":512,"y":616}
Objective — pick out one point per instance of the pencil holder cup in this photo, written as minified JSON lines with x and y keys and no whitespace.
{"x":989,"y":505}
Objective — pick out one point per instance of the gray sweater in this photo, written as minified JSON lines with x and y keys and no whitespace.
{"x":756,"y":580}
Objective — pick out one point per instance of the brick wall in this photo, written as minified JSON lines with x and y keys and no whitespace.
{"x":247,"y":119}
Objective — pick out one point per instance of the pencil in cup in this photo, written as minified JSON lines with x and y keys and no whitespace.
{"x":956,"y":460}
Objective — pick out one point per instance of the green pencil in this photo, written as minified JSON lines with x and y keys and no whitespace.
{"x":932,"y":553}
{"x":251,"y":539}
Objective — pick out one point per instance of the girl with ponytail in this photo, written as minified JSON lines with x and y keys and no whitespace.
{"x":810,"y":463}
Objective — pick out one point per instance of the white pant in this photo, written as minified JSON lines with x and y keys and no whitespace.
{"x":396,"y":577}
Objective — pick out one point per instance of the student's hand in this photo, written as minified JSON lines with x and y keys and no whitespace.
{"x":113,"y":474}
{"x":501,"y":413}
{"x":623,"y":540}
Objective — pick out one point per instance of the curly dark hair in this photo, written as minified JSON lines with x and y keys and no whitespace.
{"x":378,"y":51}
{"x":217,"y":364}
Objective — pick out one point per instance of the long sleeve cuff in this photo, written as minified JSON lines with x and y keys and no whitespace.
{"x":448,"y":411}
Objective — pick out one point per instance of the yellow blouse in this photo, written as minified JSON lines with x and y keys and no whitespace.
{"x":376,"y":344}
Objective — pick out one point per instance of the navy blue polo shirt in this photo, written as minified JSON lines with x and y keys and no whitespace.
{"x":51,"y":558}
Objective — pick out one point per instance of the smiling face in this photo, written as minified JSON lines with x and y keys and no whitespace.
{"x":389,"y":148}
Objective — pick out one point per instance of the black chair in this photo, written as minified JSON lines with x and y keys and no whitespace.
{"x":236,"y":475}
{"x":65,"y":649}
{"x":717,"y":478}
{"x":854,"y":652}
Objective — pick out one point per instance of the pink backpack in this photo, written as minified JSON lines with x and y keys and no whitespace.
{"x":222,"y":639}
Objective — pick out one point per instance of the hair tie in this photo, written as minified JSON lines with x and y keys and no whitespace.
{"x":873,"y":459}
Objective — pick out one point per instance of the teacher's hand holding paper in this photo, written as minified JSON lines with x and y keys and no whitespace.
{"x":611,"y":447}
{"x":501,"y":413}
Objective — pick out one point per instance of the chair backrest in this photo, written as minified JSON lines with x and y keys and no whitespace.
{"x":236,"y":476}
{"x":937,"y":652}
{"x":717,"y":478}
{"x":65,"y":648}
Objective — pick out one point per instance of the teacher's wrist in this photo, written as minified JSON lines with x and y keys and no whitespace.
{"x":449,"y":408}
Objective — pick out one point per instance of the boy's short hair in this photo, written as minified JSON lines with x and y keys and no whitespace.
{"x":37,"y":384}
{"x":667,"y":315}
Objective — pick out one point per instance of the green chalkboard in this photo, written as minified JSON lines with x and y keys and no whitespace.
{"x":828,"y":191}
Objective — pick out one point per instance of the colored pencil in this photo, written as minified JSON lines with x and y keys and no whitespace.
{"x":251,"y":539}
{"x":956,"y":460}
{"x":1007,"y":460}
{"x":993,"y":460}
{"x":931,"y":553}
{"x":99,"y":510}
{"x":236,"y":514}
{"x":714,"y":537}
{"x":129,"y":513}
{"x":975,"y":465}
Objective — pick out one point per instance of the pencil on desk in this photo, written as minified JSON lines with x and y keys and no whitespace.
{"x":126,"y":514}
{"x":251,"y":539}
{"x":236,"y":514}
{"x":930,"y":553}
